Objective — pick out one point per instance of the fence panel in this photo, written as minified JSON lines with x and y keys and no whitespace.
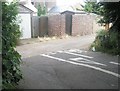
{"x":35,"y":26}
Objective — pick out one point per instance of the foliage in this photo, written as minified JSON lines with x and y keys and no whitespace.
{"x":41,"y":10}
{"x":96,"y":8}
{"x":0,"y":45}
{"x":11,"y":59}
{"x":90,"y":7}
{"x":109,"y":13}
{"x":107,"y":42}
{"x":0,"y":82}
{"x":0,"y":27}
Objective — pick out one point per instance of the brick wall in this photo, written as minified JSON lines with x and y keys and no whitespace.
{"x":96,"y":26}
{"x":82,"y":25}
{"x":63,"y":26}
{"x":56,"y":25}
{"x":43,"y":26}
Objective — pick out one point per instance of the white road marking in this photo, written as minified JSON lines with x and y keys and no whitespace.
{"x":86,"y":61}
{"x":52,"y":53}
{"x":75,"y":50}
{"x":60,"y":51}
{"x":76,"y":59}
{"x":115,"y":63}
{"x":77,"y":54}
{"x":85,"y":65}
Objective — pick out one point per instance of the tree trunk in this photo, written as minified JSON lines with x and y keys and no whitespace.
{"x":107,"y":26}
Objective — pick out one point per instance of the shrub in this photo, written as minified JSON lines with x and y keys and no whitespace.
{"x":107,"y":42}
{"x":0,"y":45}
{"x":11,"y":59}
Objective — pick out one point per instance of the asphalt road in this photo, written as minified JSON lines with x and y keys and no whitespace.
{"x":70,"y":69}
{"x":81,"y":42}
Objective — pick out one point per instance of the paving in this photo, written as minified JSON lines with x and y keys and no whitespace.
{"x":67,"y":64}
{"x":81,"y":42}
{"x":56,"y":70}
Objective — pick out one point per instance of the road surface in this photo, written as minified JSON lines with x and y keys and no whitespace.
{"x":70,"y":69}
{"x":82,"y":42}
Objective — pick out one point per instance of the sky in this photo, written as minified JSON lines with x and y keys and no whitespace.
{"x":63,"y":2}
{"x":68,"y":2}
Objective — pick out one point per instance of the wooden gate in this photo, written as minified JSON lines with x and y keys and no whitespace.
{"x":68,"y":24}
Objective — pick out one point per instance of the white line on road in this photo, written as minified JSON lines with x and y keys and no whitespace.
{"x":76,"y":50}
{"x":86,"y":61}
{"x":77,"y":54}
{"x":115,"y":63}
{"x":85,"y":65}
{"x":76,"y":59}
{"x":52,"y":53}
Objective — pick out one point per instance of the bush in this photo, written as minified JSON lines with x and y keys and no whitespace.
{"x":107,"y":42}
{"x":11,"y":59}
{"x":0,"y":45}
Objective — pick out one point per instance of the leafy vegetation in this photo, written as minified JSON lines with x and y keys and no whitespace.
{"x":91,"y":7}
{"x":111,"y":14}
{"x":108,"y":13}
{"x":41,"y":10}
{"x":11,"y":59}
{"x":0,"y":45}
{"x":0,"y":27}
{"x":106,"y":41}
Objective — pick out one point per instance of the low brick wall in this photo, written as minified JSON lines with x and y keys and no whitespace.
{"x":56,"y":25}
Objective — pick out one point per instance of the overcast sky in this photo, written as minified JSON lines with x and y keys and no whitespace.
{"x":61,"y":2}
{"x":69,"y":2}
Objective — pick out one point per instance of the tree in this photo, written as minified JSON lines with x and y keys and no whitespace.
{"x":11,"y":59}
{"x":111,"y":14}
{"x":109,"y":41}
{"x":108,"y":10}
{"x":96,"y":8}
{"x":91,"y":7}
{"x":41,"y":10}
